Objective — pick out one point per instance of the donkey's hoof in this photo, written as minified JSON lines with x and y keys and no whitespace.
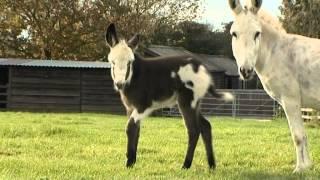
{"x":130,"y":163}
{"x":186,"y":165}
{"x":302,"y":168}
{"x":298,"y":170}
{"x":212,"y":164}
{"x":212,"y":167}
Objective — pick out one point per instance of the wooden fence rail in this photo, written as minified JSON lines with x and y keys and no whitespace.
{"x":309,"y":114}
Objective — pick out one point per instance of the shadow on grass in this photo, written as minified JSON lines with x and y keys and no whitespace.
{"x":7,"y":153}
{"x":277,"y":176}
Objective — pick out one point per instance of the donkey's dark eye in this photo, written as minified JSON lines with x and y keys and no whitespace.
{"x":257,"y":35}
{"x":234,"y":35}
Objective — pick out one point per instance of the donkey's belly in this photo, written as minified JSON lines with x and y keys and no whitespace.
{"x":168,"y":102}
{"x":310,"y":89}
{"x":311,"y":99}
{"x":311,"y":103}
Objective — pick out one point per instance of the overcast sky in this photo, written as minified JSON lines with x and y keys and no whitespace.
{"x":218,"y":11}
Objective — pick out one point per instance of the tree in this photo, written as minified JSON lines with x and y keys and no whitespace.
{"x":227,"y":40}
{"x":48,"y":29}
{"x":145,"y":16}
{"x":10,"y":30}
{"x":301,"y":17}
{"x":74,"y":29}
{"x":196,"y":37}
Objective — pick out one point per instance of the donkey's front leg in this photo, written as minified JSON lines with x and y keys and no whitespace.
{"x":133,"y":133}
{"x":129,"y":112}
{"x":292,"y":109}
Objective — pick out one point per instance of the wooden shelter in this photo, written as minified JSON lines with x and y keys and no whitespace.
{"x":67,"y":86}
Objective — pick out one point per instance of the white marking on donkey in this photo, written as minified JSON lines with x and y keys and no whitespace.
{"x":288,"y":66}
{"x":149,"y":84}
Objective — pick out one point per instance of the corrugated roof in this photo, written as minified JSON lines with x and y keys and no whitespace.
{"x":209,"y":64}
{"x":168,"y":50}
{"x":212,"y":62}
{"x":223,"y":63}
{"x":53,"y":63}
{"x":157,"y":50}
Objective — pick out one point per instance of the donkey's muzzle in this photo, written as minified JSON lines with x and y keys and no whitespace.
{"x":246,"y":73}
{"x":119,"y":85}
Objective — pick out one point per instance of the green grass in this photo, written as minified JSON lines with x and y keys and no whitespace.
{"x":92,"y":146}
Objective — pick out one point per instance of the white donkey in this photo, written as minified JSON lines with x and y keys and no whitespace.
{"x":288,"y":66}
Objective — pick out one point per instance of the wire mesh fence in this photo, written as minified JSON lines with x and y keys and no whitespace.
{"x":247,"y":103}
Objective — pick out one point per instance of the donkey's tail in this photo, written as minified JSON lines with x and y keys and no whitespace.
{"x":226,"y":96}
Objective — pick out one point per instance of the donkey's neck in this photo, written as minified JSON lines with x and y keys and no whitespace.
{"x":271,"y":40}
{"x":136,"y":66}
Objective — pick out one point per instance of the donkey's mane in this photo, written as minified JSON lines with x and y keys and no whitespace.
{"x":268,"y":20}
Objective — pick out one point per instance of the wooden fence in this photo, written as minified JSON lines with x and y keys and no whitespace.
{"x":309,"y":114}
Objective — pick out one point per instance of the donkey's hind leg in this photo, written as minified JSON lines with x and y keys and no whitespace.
{"x":193,"y":129}
{"x":207,"y":139}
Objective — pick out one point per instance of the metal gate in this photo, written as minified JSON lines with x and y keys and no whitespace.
{"x":247,"y":103}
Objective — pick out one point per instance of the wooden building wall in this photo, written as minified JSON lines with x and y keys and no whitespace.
{"x":232,"y":82}
{"x":97,"y":92}
{"x":223,"y":81}
{"x":63,"y":90}
{"x":44,"y":89}
{"x":219,"y":79}
{"x":4,"y":73}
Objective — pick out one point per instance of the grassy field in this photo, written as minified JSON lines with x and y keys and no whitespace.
{"x":92,"y":146}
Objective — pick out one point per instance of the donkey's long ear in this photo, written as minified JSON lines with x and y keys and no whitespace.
{"x":256,"y":5}
{"x":134,"y":42}
{"x":235,"y":6}
{"x":111,"y":36}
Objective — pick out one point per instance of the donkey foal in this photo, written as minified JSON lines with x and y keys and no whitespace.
{"x":149,"y":84}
